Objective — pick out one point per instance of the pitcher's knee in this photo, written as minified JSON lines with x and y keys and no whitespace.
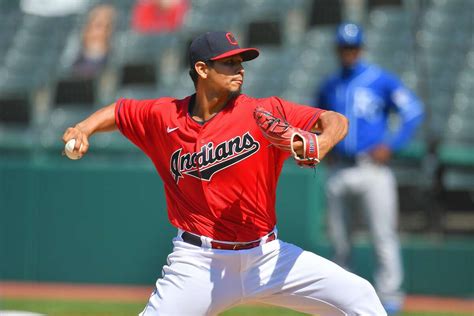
{"x":366,"y":302}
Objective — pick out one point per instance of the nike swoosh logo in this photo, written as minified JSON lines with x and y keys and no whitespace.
{"x":171,"y":129}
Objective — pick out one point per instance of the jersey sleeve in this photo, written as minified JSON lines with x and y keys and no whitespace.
{"x":408,"y":106}
{"x":134,"y":120}
{"x":298,"y":115}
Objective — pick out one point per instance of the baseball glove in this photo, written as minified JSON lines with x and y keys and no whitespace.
{"x":282,"y":135}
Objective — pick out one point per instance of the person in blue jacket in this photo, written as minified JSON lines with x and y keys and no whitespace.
{"x":358,"y":170}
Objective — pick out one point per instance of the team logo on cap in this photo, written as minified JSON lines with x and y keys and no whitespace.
{"x":230,"y":37}
{"x":351,"y":30}
{"x":212,"y":158}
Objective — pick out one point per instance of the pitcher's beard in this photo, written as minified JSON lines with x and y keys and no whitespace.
{"x":234,"y":94}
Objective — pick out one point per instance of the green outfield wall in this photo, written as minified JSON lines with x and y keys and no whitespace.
{"x":99,"y":220}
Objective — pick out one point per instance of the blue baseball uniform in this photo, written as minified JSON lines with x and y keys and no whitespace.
{"x":366,"y":94}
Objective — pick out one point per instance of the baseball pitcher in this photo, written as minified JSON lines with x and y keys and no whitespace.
{"x":219,"y":154}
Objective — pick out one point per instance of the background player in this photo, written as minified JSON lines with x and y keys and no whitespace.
{"x":366,"y":95}
{"x":220,"y":175}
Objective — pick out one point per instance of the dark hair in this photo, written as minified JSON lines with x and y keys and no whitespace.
{"x":194,"y":75}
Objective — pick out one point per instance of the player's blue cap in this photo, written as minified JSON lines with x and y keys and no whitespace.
{"x":349,"y":34}
{"x":218,"y":45}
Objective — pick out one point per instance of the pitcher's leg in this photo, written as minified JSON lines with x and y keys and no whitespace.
{"x":381,"y":203}
{"x":194,"y":285}
{"x":306,"y":282}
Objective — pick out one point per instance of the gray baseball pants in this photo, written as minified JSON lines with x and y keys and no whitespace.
{"x":373,"y":188}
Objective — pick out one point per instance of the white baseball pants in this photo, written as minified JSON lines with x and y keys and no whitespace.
{"x":374,"y":187}
{"x":202,"y":281}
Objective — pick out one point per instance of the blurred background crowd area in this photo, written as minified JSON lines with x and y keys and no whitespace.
{"x":62,"y":59}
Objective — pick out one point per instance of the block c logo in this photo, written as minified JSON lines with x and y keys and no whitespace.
{"x":231,"y":38}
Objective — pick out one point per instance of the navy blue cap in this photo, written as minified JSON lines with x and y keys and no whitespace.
{"x":218,"y":45}
{"x":349,"y":34}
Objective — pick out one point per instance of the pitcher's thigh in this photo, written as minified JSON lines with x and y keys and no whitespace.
{"x":316,"y":285}
{"x":190,"y":290}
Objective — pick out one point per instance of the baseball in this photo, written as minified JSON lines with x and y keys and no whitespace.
{"x":69,"y":150}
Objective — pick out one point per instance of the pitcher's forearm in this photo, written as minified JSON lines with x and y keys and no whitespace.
{"x":332,"y":127}
{"x":101,"y":121}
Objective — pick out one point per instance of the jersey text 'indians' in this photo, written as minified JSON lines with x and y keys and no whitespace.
{"x":212,"y":159}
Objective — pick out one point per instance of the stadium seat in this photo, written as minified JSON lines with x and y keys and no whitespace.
{"x":452,"y":7}
{"x":264,"y":33}
{"x":389,"y":18}
{"x":17,"y":62}
{"x":456,"y":185}
{"x":462,"y":104}
{"x":217,"y":6}
{"x":270,"y":24}
{"x":456,"y":149}
{"x":140,"y":74}
{"x":320,"y":38}
{"x":131,"y":47}
{"x":390,"y":39}
{"x":8,"y":24}
{"x":226,"y":15}
{"x":17,"y":141}
{"x":9,"y":6}
{"x":16,"y":115}
{"x":14,"y":81}
{"x":455,"y":157}
{"x":58,"y":120}
{"x":75,"y":92}
{"x":102,"y":144}
{"x":15,"y":109}
{"x":325,"y":12}
{"x":263,"y":77}
{"x":137,"y":92}
{"x":200,"y":21}
{"x":182,"y":87}
{"x":383,"y":3}
{"x":466,"y":76}
{"x":136,"y":59}
{"x":314,"y":59}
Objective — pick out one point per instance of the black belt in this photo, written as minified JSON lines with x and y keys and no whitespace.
{"x":196,"y":241}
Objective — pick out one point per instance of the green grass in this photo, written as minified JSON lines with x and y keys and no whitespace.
{"x":73,"y":308}
{"x":80,"y":308}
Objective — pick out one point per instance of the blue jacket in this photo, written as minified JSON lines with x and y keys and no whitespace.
{"x":366,"y":94}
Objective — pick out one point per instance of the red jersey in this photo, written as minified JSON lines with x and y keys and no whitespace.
{"x":220,"y":177}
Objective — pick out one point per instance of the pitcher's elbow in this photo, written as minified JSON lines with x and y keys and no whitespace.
{"x":344,"y":124}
